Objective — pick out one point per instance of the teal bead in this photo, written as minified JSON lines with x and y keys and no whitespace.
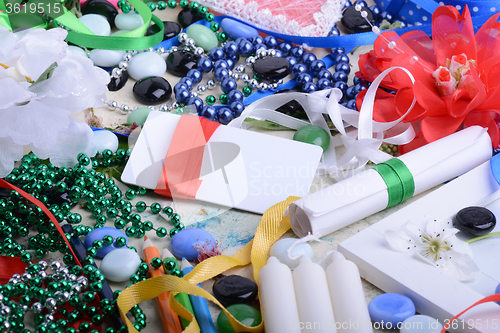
{"x":246,"y":314}
{"x":203,"y":36}
{"x":314,"y":135}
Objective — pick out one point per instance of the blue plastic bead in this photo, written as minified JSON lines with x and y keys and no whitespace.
{"x":196,"y":101}
{"x":324,"y":84}
{"x":271,"y":41}
{"x":188,"y":82}
{"x":260,"y":46}
{"x":228,"y":84}
{"x":340,"y":76}
{"x":341,"y":58}
{"x":237,"y":108}
{"x":375,"y":10}
{"x":317,"y":65}
{"x":245,"y":48}
{"x":257,"y":39}
{"x":356,"y":80}
{"x":221,"y":63}
{"x":350,"y":93}
{"x":292,"y":60}
{"x":216,"y":53}
{"x":231,"y":62}
{"x":297,"y":52}
{"x":385,"y":15}
{"x":334,"y":32}
{"x":231,"y":49}
{"x":195,"y":75}
{"x":180,"y":86}
{"x":285,"y":47}
{"x":205,"y":65}
{"x":325,"y":74}
{"x":359,"y":87}
{"x":362,"y":3}
{"x":185,"y":243}
{"x":340,"y":85}
{"x":303,"y":78}
{"x":235,"y":29}
{"x":235,"y":96}
{"x":391,"y":308}
{"x":348,"y":3}
{"x":352,"y":104}
{"x":182,"y":96}
{"x":344,"y":67}
{"x":221,"y":73}
{"x":209,"y":112}
{"x":309,"y":87}
{"x":298,"y":69}
{"x":278,"y":53}
{"x":308,"y":58}
{"x":225,"y":115}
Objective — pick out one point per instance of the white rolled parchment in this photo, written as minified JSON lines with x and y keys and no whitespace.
{"x":364,"y":194}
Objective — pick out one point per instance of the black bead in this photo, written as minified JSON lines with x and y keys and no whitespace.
{"x":101,"y":7}
{"x":475,"y":220}
{"x":234,"y":289}
{"x":171,"y":29}
{"x":271,"y":68}
{"x":152,"y":90}
{"x":180,"y":62}
{"x":118,"y":83}
{"x":354,"y":22}
{"x":187,"y":17}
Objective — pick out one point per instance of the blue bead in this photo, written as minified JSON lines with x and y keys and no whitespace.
{"x":278,"y":53}
{"x":222,"y":63}
{"x":351,"y":104}
{"x":336,"y":51}
{"x":188,"y":82}
{"x":285,"y":47}
{"x":292,"y":60}
{"x":235,"y":96}
{"x":324,"y":84}
{"x":344,"y":67}
{"x":209,"y":112}
{"x":195,"y":75}
{"x":350,"y":93}
{"x":205,"y":65}
{"x":237,"y":108}
{"x":356,"y":80}
{"x":235,"y":29}
{"x":271,"y":41}
{"x":403,"y":24}
{"x":216,"y":53}
{"x":347,"y":4}
{"x":245,"y":48}
{"x":180,"y":86}
{"x":225,"y":115}
{"x":341,"y":58}
{"x":221,"y":73}
{"x":340,"y":85}
{"x":391,"y":308}
{"x":334,"y":32}
{"x":231,"y":62}
{"x":228,"y":84}
{"x":303,"y":78}
{"x":359,"y":87}
{"x":385,"y":15}
{"x":231,"y":49}
{"x":185,"y":242}
{"x":257,"y":39}
{"x":375,"y":10}
{"x":182,"y":96}
{"x":325,"y":74}
{"x":298,"y":69}
{"x":297,"y":52}
{"x":260,"y":46}
{"x":317,"y":65}
{"x":309,"y":87}
{"x":196,"y":101}
{"x":308,"y":58}
{"x":340,"y":76}
{"x":98,"y":234}
{"x":362,"y":3}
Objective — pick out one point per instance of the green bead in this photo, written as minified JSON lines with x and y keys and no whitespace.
{"x":168,"y":264}
{"x":175,"y":218}
{"x":148,"y":225}
{"x":107,"y":240}
{"x":176,"y":272}
{"x":184,"y":4}
{"x":244,"y":313}
{"x":84,"y":327}
{"x":221,"y":36}
{"x":202,"y":36}
{"x":140,"y":206}
{"x":210,"y":17}
{"x":202,"y":10}
{"x":142,"y":190}
{"x":210,"y":99}
{"x":161,"y":5}
{"x":152,"y":6}
{"x":168,"y":211}
{"x":246,"y":91}
{"x":223,"y":99}
{"x":161,"y":232}
{"x":214,"y":26}
{"x":130,"y":194}
{"x":155,"y":208}
{"x":194,"y":6}
{"x":313,"y":135}
{"x":121,"y":3}
{"x":143,"y":268}
{"x":173,"y":232}
{"x":83,"y":159}
{"x":171,"y":4}
{"x":121,"y":241}
{"x":156,"y":262}
{"x":120,"y":224}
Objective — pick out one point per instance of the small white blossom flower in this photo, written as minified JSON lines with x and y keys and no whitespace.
{"x":437,"y":245}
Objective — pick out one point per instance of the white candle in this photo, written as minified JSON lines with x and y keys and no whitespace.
{"x":313,"y":299}
{"x":277,"y":297}
{"x":348,"y":298}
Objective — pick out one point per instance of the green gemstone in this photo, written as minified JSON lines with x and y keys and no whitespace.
{"x":246,"y":91}
{"x":161,"y":5}
{"x":203,"y":36}
{"x":313,"y":135}
{"x":210,"y":99}
{"x":244,"y":313}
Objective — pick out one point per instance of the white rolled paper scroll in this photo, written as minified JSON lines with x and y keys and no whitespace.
{"x":364,"y":194}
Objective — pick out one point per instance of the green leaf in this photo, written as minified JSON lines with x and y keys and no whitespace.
{"x":266,"y":124}
{"x":47,"y":74}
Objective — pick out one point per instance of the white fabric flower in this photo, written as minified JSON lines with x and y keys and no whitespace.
{"x":437,"y":245}
{"x":37,"y":114}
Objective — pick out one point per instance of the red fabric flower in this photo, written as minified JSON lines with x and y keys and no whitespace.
{"x":457,"y":76}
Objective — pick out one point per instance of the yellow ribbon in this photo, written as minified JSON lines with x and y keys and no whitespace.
{"x":271,"y":227}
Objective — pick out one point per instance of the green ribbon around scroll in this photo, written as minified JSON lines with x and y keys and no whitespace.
{"x":399,"y":180}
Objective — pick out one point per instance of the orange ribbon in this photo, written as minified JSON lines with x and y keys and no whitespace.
{"x":180,"y":177}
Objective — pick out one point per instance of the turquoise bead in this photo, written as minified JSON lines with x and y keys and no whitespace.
{"x":138,"y":116}
{"x":314,"y":135}
{"x":203,"y":36}
{"x":246,"y":314}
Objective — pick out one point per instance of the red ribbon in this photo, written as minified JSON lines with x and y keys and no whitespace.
{"x":180,"y":177}
{"x":491,"y":298}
